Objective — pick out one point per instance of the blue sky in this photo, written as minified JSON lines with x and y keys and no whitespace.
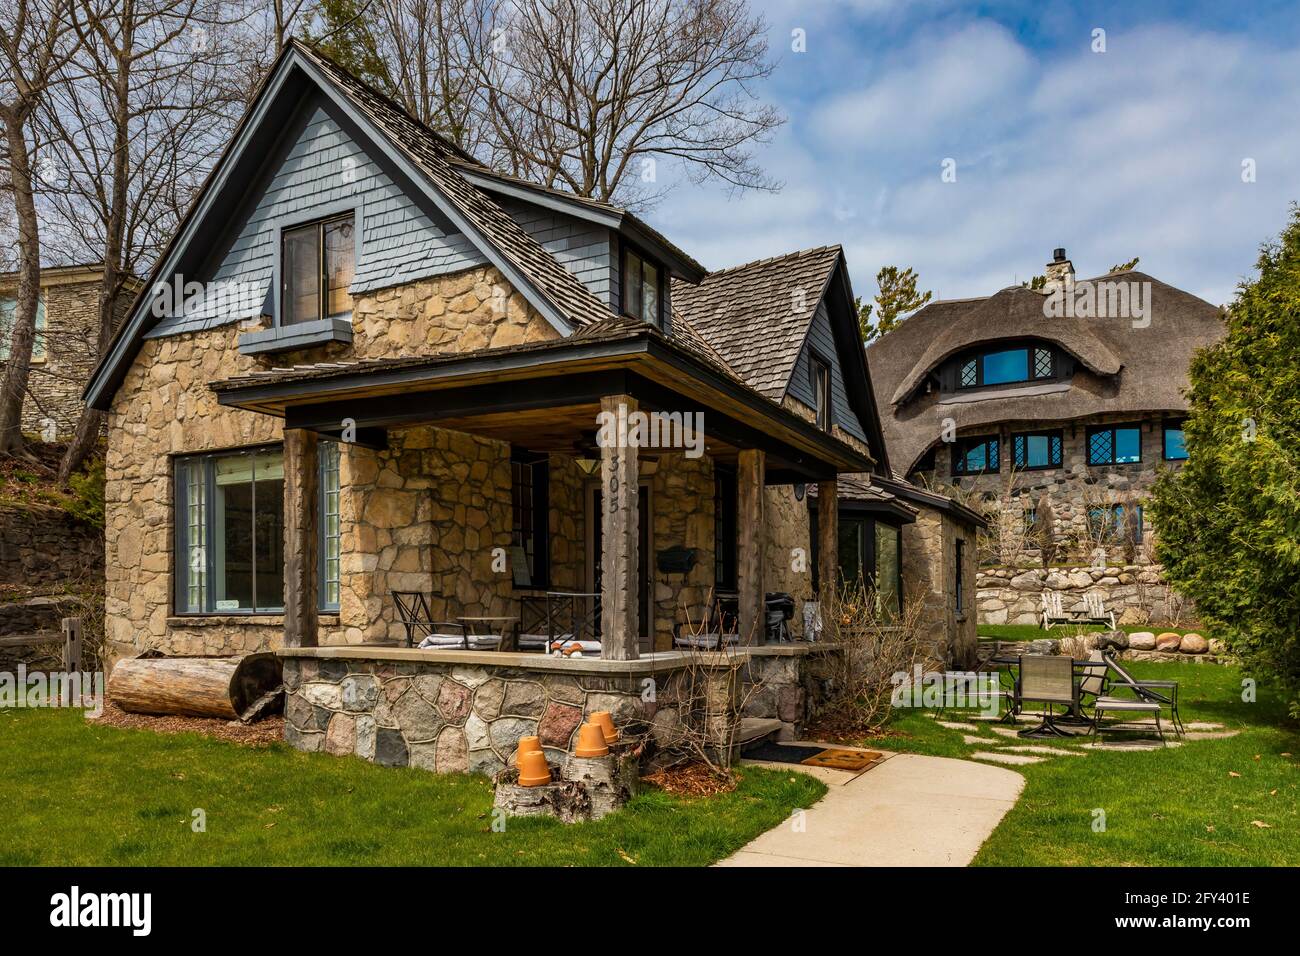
{"x":1136,"y":151}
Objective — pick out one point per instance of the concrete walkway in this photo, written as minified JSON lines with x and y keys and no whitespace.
{"x":908,"y":810}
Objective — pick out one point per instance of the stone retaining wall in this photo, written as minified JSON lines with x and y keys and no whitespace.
{"x":791,"y":688}
{"x":1137,"y":594}
{"x":43,"y":546}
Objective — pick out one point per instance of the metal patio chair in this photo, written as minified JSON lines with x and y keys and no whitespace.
{"x":413,"y":611}
{"x":1162,"y":692}
{"x":1047,"y":681}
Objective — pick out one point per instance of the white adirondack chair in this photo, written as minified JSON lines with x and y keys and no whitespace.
{"x":1097,"y":612}
{"x":1054,"y":610}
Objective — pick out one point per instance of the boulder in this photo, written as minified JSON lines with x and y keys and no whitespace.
{"x":1193,"y":644}
{"x":1168,"y":641}
{"x":1217,"y":646}
{"x":1142,"y":641}
{"x":1117,"y":640}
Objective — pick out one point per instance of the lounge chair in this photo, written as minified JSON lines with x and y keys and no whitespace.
{"x":1161,"y":692}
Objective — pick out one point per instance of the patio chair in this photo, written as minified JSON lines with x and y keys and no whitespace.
{"x":718,"y":628}
{"x":413,"y":611}
{"x":1047,"y":681}
{"x":1053,"y":612}
{"x":1161,"y":692}
{"x":573,"y":623}
{"x":1095,"y":610}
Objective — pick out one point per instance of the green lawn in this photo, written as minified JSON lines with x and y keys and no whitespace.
{"x":76,"y":794}
{"x":1178,"y":806}
{"x":1032,"y":632}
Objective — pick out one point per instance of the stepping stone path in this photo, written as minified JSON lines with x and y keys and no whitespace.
{"x":1001,"y":756}
{"x":1039,"y":749}
{"x":955,"y":725}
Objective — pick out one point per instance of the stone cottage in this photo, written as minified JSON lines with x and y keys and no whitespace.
{"x":407,"y":373}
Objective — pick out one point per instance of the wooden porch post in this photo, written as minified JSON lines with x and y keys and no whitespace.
{"x":619,"y":522}
{"x":300,"y":479}
{"x":828,"y":537}
{"x":750,"y":479}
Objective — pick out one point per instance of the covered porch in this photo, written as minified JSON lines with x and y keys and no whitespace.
{"x":421,"y":437}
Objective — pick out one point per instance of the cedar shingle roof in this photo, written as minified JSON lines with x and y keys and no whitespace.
{"x":756,"y":316}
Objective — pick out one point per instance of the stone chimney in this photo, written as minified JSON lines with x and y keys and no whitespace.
{"x":1059,"y":272}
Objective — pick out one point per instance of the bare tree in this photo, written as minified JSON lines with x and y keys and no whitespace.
{"x":36,"y":41}
{"x":136,"y":132}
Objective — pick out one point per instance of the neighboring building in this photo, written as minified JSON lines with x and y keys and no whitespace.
{"x":393,"y":382}
{"x":65,"y":348}
{"x":1016,"y":403}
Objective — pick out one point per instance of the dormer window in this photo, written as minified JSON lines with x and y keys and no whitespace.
{"x":1007,"y":366}
{"x":642,"y":287}
{"x":819,"y":380}
{"x":317,"y":261}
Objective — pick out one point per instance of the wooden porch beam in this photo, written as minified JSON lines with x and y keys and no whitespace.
{"x":619,"y":522}
{"x":301,"y":472}
{"x":751,"y":464}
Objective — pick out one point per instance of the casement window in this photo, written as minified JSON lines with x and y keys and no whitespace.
{"x":642,"y":287}
{"x":975,"y":456}
{"x":819,"y":380}
{"x":530,"y":508}
{"x":1006,"y":366}
{"x":1175,"y":443}
{"x":1032,"y":450}
{"x":1114,"y":445}
{"x":1108,"y":523}
{"x":330,"y":532}
{"x":8,"y":313}
{"x":726,"y":533}
{"x":317,"y":262}
{"x":230,"y":532}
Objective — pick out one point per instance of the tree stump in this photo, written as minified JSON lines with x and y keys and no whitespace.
{"x":609,"y":781}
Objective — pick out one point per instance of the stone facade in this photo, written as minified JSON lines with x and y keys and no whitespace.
{"x":790,"y":684}
{"x":44,"y":546}
{"x":1072,"y":489}
{"x":930,"y":577}
{"x":1137,"y":594}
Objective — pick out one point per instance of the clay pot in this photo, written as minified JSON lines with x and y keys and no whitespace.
{"x":533,"y":771}
{"x":527,"y":745}
{"x":603,"y":720}
{"x":591,"y":742}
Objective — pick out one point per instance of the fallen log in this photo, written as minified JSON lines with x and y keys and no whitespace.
{"x":234,"y":688}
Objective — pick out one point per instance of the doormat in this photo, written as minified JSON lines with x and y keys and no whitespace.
{"x":813,"y":756}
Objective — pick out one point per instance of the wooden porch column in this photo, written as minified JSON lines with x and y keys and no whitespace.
{"x":828,"y":538}
{"x":619,"y":561}
{"x":301,"y":471}
{"x":750,"y":474}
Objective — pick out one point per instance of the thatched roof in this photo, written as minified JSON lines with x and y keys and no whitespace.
{"x":1120,"y":368}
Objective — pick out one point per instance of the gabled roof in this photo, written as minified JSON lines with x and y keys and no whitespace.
{"x":424,"y":157}
{"x":1122,"y":369}
{"x":757,"y":315}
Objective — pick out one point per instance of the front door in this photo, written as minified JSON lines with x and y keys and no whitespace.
{"x":595,"y":538}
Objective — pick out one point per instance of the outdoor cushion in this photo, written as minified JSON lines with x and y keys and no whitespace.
{"x":1120,"y":703}
{"x":709,"y":641}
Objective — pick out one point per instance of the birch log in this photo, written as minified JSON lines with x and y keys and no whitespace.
{"x":226,"y":687}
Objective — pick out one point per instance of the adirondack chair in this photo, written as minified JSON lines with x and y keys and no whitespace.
{"x":1054,"y":611}
{"x":1096,"y":610}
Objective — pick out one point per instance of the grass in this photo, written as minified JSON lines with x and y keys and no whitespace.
{"x":76,"y":794}
{"x":1032,"y":632}
{"x":1194,"y":805}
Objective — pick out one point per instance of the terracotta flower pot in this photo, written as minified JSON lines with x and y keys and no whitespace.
{"x":533,"y":771}
{"x":591,"y":742}
{"x":605,"y":722}
{"x":527,"y":745}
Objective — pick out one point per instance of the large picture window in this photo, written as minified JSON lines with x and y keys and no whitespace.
{"x":317,"y":262}
{"x":1115,"y":445}
{"x":1175,"y":443}
{"x":975,"y":456}
{"x":530,"y":532}
{"x":230,"y":532}
{"x":1007,"y":366}
{"x":819,"y":380}
{"x":1036,"y":450}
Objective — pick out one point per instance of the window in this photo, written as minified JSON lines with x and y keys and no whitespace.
{"x":974,"y":456}
{"x":8,"y":312}
{"x":230,"y":532}
{"x":330,"y":534}
{"x":530,"y":531}
{"x":819,"y":376}
{"x":317,"y":262}
{"x":1006,"y":366}
{"x":961,"y":575}
{"x":853,"y":547}
{"x":1175,"y":443}
{"x":1036,"y":450}
{"x":725,"y":528}
{"x":641,"y":287}
{"x":1107,"y":523}
{"x":1114,"y":445}
{"x":888,"y":581}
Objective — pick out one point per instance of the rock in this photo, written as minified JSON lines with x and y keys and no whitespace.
{"x":504,"y":732}
{"x":558,"y":723}
{"x":425,"y":756}
{"x":1193,"y":644}
{"x":476,"y":733}
{"x":390,"y":748}
{"x":484,"y":762}
{"x":452,"y":755}
{"x":359,"y":693}
{"x":366,"y":737}
{"x":1217,"y":647}
{"x":309,"y":743}
{"x":524,"y":698}
{"x":454,"y":701}
{"x":1113,"y":639}
{"x":417,"y":718}
{"x":1027,"y":581}
{"x":488,"y":698}
{"x":1168,"y":641}
{"x":1080,"y":579}
{"x":1142,"y":641}
{"x":328,"y":696}
{"x":341,"y":737}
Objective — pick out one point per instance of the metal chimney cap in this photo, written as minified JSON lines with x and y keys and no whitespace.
{"x":1058,"y":254}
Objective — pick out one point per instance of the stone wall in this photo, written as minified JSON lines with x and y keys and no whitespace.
{"x":789,"y":684}
{"x":682,"y":499}
{"x":930,"y":577}
{"x":1136,"y":593}
{"x":789,"y":564}
{"x":44,"y":546}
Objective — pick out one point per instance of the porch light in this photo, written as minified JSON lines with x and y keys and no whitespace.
{"x":589,"y":466}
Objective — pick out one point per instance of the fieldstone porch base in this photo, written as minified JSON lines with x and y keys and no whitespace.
{"x":464,"y":711}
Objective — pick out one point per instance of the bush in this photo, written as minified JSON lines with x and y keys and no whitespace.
{"x":87,"y":500}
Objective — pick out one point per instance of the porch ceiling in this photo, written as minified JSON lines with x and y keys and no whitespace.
{"x":545,"y":396}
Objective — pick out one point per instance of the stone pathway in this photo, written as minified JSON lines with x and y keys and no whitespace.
{"x":907,"y":810}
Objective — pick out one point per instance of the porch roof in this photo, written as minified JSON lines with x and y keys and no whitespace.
{"x":545,"y":396}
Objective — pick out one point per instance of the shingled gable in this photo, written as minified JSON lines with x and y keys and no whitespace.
{"x":1124,"y":369}
{"x":756,"y":317}
{"x":417,"y":154}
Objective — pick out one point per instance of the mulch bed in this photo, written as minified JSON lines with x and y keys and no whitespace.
{"x":692,"y":779}
{"x":841,"y":730}
{"x":267,"y":731}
